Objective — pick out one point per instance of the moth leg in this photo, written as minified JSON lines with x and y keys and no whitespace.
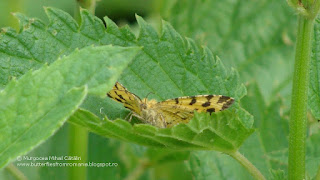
{"x":129,"y":116}
{"x":163,"y":120}
{"x":137,"y":116}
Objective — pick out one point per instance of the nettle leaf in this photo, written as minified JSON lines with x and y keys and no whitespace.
{"x":35,"y":106}
{"x":272,"y":130}
{"x":314,"y":88}
{"x":267,"y":118}
{"x":222,"y":131}
{"x":168,"y":66}
{"x":37,"y":43}
{"x":256,"y":37}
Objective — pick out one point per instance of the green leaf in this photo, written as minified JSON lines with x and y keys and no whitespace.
{"x":170,"y":59}
{"x":35,"y":106}
{"x":314,"y":88}
{"x":204,"y":132}
{"x":272,"y":126}
{"x":36,"y":43}
{"x":253,"y":36}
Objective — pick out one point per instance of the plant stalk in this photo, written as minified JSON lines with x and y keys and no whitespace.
{"x":298,"y":115}
{"x":15,"y":172}
{"x":78,"y":136}
{"x":78,"y":142}
{"x":248,"y":165}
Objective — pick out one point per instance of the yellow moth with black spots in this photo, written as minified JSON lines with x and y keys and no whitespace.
{"x":169,"y":112}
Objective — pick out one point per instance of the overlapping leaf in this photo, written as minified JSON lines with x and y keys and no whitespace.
{"x":35,"y":106}
{"x":222,"y":131}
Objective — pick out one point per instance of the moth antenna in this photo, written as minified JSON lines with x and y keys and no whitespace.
{"x":145,"y":99}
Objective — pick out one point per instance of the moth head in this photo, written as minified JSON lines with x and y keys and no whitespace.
{"x":147,"y":104}
{"x":143,"y":104}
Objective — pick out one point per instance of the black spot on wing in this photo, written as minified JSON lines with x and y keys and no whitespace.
{"x":177,"y":100}
{"x":194,"y":100}
{"x":116,"y":85}
{"x":206,"y":104}
{"x":227,"y":104}
{"x":109,"y":95}
{"x":119,"y":95}
{"x":119,"y":100}
{"x":184,"y":118}
{"x":211,"y":110}
{"x":128,"y":106}
{"x":223,"y":99}
{"x":209,"y":97}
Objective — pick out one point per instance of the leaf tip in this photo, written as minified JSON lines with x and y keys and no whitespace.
{"x":140,"y":20}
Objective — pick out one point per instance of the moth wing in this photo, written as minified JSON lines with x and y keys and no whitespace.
{"x":129,"y":100}
{"x":200,"y":103}
{"x":180,"y":110}
{"x":175,"y":116}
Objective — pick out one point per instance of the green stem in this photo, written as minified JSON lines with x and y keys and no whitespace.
{"x":248,"y":165}
{"x":15,"y":172}
{"x":79,"y":135}
{"x":78,"y":138}
{"x":298,"y":116}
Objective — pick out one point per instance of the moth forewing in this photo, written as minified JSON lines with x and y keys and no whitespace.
{"x":120,"y":94}
{"x":200,"y":103}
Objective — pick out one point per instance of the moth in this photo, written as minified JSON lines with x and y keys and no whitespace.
{"x":169,"y":112}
